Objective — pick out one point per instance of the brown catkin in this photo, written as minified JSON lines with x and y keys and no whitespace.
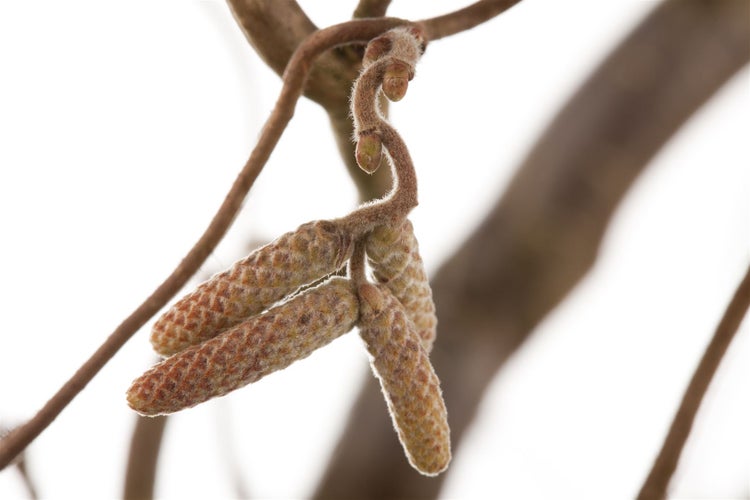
{"x":252,"y":284}
{"x":393,"y":254}
{"x":410,"y":386}
{"x":248,"y":351}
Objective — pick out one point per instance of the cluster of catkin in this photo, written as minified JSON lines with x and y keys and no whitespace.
{"x":261,"y":315}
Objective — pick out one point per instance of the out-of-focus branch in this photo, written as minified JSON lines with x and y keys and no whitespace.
{"x":26,"y":478}
{"x":543,"y":235}
{"x":371,"y":8}
{"x":274,"y":29}
{"x":294,"y":79}
{"x":465,"y":19}
{"x":145,"y":443}
{"x":655,"y":486}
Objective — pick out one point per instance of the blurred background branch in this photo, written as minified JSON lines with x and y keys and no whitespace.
{"x":145,"y":443}
{"x":543,"y":235}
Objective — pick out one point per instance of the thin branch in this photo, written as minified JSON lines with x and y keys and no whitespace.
{"x":274,"y":30}
{"x":371,"y":8}
{"x":26,"y":479}
{"x":655,"y":486}
{"x":465,"y":19}
{"x":145,"y":443}
{"x":543,"y":235}
{"x":294,"y":80}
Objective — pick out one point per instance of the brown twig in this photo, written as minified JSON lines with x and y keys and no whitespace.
{"x":371,"y":8}
{"x":544,"y":234}
{"x":465,"y":19}
{"x":294,"y":79}
{"x":145,"y":443}
{"x":655,"y":486}
{"x":274,"y":30}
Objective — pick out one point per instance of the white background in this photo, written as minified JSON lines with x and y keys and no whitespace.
{"x":122,"y":125}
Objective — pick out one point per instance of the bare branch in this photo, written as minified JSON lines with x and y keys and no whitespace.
{"x":465,"y":19}
{"x":655,"y":486}
{"x":371,"y":8}
{"x":275,"y":29}
{"x":294,"y":80}
{"x":145,"y":443}
{"x":543,"y":235}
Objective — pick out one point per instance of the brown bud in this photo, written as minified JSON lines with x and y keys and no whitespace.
{"x":396,"y":80}
{"x":252,"y":284}
{"x":411,"y":388}
{"x":248,"y":351}
{"x":393,"y":253}
{"x":369,"y":152}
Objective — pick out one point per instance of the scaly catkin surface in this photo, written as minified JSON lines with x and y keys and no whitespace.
{"x":252,"y":284}
{"x":410,"y":386}
{"x":393,"y":254}
{"x":248,"y":351}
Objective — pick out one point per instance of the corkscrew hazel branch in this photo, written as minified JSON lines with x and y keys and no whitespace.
{"x":399,"y":45}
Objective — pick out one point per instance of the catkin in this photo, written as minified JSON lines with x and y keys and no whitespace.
{"x":248,"y":351}
{"x":411,"y":388}
{"x":252,"y":284}
{"x":393,"y":254}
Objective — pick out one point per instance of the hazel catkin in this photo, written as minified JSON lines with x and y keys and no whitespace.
{"x":248,"y":351}
{"x":252,"y":284}
{"x":393,"y":254}
{"x":410,"y":386}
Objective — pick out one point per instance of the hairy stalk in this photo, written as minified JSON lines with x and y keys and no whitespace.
{"x":655,"y":486}
{"x":399,"y":48}
{"x":275,"y":28}
{"x":294,"y":79}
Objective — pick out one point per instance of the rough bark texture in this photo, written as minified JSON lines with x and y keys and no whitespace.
{"x":543,"y":235}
